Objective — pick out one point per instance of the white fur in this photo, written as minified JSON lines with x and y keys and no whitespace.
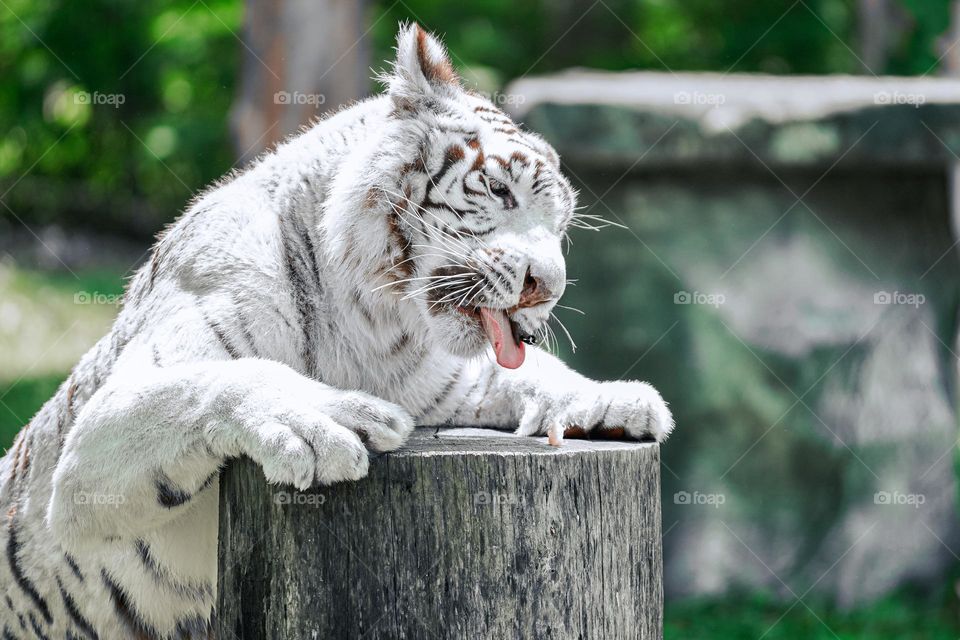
{"x":224,"y":349}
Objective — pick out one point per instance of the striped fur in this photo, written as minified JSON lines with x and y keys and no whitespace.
{"x":302,"y":313}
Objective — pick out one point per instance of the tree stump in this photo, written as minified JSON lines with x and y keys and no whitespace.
{"x":466,"y":533}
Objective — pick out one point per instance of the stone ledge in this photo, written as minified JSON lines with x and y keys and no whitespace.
{"x":651,"y":119}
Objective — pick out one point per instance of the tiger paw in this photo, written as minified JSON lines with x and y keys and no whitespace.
{"x":627,"y":409}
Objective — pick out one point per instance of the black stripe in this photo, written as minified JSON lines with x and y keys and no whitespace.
{"x":222,"y":337}
{"x":125,"y":609}
{"x":429,"y":204}
{"x":362,"y":307}
{"x":37,"y":630}
{"x":495,"y":266}
{"x":161,"y":576}
{"x":7,"y":634}
{"x":74,"y":567}
{"x":439,"y":399}
{"x":170,"y":496}
{"x":244,"y":330}
{"x":195,"y":627}
{"x":466,"y":396}
{"x":71,"y":607}
{"x":523,"y":144}
{"x":494,"y":285}
{"x":13,"y":547}
{"x":304,"y":277}
{"x":486,"y":391}
{"x":478,"y":232}
{"x":502,"y":121}
{"x":156,"y":357}
{"x":400,"y":344}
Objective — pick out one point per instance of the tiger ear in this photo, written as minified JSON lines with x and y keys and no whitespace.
{"x":422,"y":68}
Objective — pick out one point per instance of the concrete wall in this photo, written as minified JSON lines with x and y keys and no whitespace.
{"x":789,"y":279}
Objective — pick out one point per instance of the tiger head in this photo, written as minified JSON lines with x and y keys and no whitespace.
{"x":478,"y":210}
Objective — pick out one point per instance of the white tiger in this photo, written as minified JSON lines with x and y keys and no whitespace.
{"x":312,"y":308}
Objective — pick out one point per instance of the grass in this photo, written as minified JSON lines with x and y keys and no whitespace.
{"x":47,"y":321}
{"x":20,"y":401}
{"x":45,"y":327}
{"x":756,"y":617}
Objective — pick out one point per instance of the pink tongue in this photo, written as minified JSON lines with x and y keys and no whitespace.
{"x":497,"y":327}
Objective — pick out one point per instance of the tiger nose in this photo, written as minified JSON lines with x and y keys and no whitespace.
{"x":534,"y":291}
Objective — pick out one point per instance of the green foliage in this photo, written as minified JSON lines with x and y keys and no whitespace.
{"x":779,"y":36}
{"x":749,"y":617}
{"x":112,"y":113}
{"x":46,"y":332}
{"x":20,"y":401}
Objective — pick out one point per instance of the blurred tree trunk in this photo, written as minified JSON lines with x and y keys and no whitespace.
{"x":950,"y":66}
{"x":949,"y":45}
{"x":881,"y":25}
{"x":300,"y":59}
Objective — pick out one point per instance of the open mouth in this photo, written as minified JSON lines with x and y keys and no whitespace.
{"x":505,"y":336}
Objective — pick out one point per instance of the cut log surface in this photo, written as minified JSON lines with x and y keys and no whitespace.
{"x":465,"y":533}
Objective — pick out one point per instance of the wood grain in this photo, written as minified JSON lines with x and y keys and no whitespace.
{"x":467,"y":533}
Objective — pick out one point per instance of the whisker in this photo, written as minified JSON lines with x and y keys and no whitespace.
{"x":433,"y":286}
{"x":580,"y":311}
{"x":593,"y":222}
{"x":416,"y":206}
{"x":573,"y":345}
{"x":444,"y":238}
{"x":433,"y":277}
{"x":464,"y":302}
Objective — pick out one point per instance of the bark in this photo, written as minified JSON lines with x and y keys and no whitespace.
{"x":472,"y":534}
{"x":301,"y":58}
